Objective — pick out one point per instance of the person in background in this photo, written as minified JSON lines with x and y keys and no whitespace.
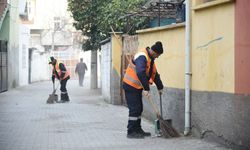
{"x":60,"y":72}
{"x":140,"y":73}
{"x":81,"y":67}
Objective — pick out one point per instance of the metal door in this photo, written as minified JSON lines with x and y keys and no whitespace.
{"x":3,"y":66}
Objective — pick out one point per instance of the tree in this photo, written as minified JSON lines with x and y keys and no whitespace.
{"x":96,"y":17}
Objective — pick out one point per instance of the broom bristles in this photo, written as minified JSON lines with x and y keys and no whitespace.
{"x":167,"y":130}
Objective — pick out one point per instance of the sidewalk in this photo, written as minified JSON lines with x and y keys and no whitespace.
{"x":86,"y":123}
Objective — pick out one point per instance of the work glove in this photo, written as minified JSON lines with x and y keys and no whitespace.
{"x":146,"y":93}
{"x":160,"y":91}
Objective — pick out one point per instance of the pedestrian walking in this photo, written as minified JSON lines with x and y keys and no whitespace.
{"x":81,"y":67}
{"x":60,"y":72}
{"x":140,"y":73}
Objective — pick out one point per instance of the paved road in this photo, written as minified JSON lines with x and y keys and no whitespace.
{"x":86,"y":123}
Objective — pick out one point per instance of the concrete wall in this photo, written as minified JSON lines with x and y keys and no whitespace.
{"x":111,"y":69}
{"x":24,"y":55}
{"x":13,"y":46}
{"x":40,"y":69}
{"x":221,"y":117}
{"x":106,"y":71}
{"x":116,"y":46}
{"x":170,"y":66}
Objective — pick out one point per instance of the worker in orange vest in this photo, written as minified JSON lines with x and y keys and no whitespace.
{"x":140,"y":73}
{"x":59,"y":71}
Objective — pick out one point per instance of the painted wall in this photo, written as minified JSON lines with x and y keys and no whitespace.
{"x":13,"y":46}
{"x":242,"y":53}
{"x":24,"y":55}
{"x":213,"y":49}
{"x":116,"y":46}
{"x":111,"y":51}
{"x":170,"y":66}
{"x":40,"y":69}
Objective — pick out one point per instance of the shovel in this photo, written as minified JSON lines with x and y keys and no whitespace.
{"x":53,"y":97}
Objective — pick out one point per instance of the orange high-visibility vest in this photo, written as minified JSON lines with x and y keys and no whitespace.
{"x":56,"y":67}
{"x":130,"y":76}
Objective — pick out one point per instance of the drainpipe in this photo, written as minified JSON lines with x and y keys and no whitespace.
{"x":187,"y":69}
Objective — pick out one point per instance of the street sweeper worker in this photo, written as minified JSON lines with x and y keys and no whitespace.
{"x":60,"y":72}
{"x":140,"y":73}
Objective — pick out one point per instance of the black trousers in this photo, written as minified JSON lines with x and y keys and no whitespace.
{"x":63,"y":85}
{"x":64,"y":93}
{"x":135,"y":106}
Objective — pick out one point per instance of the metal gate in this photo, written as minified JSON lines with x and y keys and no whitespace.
{"x":3,"y":66}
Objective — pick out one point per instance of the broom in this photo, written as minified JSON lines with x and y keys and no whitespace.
{"x":166,"y":128}
{"x":53,"y":97}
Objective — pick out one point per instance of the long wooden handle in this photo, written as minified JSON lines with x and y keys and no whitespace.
{"x":54,"y":89}
{"x":160,"y":103}
{"x":155,"y":109}
{"x":53,"y":86}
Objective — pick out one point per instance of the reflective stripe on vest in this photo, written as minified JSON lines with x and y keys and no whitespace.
{"x":130,"y":76}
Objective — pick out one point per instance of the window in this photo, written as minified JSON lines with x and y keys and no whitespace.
{"x":57,"y":23}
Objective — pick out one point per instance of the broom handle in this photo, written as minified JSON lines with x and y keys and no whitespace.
{"x":54,"y":89}
{"x":53,"y":86}
{"x":160,"y":104}
{"x":155,"y":109}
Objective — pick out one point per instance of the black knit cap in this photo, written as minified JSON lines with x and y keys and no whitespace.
{"x":51,"y":59}
{"x":157,"y":47}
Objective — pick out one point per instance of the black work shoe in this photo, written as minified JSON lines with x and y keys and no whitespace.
{"x":62,"y":101}
{"x":144,"y":133}
{"x":66,"y":101}
{"x":135,"y":135}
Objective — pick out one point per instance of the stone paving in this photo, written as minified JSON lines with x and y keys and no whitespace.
{"x":86,"y":123}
